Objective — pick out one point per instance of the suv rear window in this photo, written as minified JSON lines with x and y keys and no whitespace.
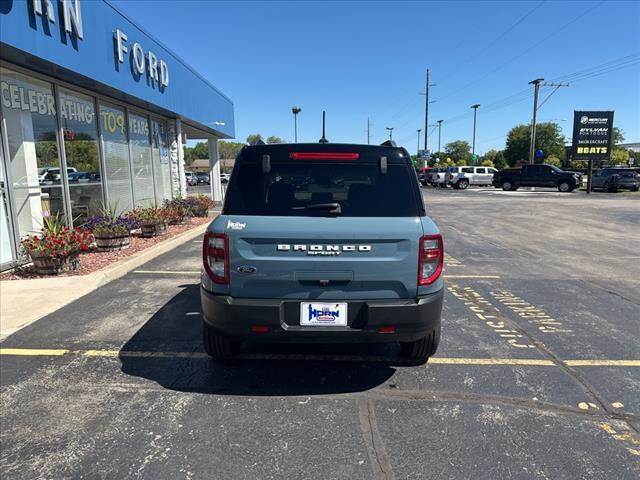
{"x":359,"y":188}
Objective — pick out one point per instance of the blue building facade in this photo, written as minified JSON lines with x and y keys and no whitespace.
{"x":93,"y":113}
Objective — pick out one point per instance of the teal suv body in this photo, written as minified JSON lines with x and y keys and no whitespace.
{"x":323,"y":243}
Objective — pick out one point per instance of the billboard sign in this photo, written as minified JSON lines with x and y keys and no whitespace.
{"x":592,"y":133}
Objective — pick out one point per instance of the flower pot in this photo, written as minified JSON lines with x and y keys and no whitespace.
{"x":184,"y":221}
{"x":108,"y":243}
{"x":201,"y":212}
{"x":45,"y":265}
{"x":153,"y":229}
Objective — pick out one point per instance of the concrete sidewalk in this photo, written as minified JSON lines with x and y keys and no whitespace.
{"x":24,"y":301}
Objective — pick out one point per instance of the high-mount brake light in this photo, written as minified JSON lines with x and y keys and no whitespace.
{"x":324,"y":156}
{"x":215,"y":257}
{"x":430,"y":259}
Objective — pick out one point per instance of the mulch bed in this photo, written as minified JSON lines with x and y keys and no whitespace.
{"x":93,"y":261}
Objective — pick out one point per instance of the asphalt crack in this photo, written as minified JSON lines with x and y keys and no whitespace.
{"x":378,"y":457}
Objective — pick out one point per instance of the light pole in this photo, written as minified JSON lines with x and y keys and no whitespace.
{"x":418,"y":151}
{"x":439,"y":122}
{"x":390,"y":132}
{"x":295,"y":111}
{"x":475,"y":111}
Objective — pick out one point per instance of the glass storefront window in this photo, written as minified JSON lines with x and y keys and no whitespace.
{"x":78,"y":121}
{"x":161,"y":163}
{"x":115,"y":147}
{"x":28,"y":111}
{"x":143,"y":192}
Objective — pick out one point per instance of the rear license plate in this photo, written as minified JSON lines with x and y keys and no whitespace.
{"x":323,"y":314}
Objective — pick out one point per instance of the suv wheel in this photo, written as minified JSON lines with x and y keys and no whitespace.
{"x":564,"y":186}
{"x":463,"y":184}
{"x":507,"y":185}
{"x":217,"y":346}
{"x":422,"y":349}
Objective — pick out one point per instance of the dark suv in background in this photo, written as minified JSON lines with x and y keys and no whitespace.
{"x":616,"y":178}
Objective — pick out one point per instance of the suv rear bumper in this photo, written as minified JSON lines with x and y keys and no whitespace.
{"x":412,"y":318}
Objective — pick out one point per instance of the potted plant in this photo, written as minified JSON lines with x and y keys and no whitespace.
{"x":111,"y":231}
{"x":178,"y":211}
{"x":201,"y":204}
{"x":153,"y":221}
{"x":57,"y":247}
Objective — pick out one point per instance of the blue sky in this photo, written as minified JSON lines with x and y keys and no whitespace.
{"x":368,"y":59}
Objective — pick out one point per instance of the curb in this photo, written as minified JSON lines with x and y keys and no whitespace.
{"x":21,"y":300}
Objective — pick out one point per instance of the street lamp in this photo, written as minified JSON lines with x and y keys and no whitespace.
{"x":475,"y":111}
{"x":418,"y":130}
{"x":295,"y":111}
{"x":390,"y":132}
{"x":439,"y":122}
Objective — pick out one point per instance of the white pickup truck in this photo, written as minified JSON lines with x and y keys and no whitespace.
{"x":463,"y":176}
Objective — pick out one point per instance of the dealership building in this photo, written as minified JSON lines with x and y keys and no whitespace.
{"x":94,"y":112}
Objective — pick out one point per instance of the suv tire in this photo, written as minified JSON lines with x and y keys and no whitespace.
{"x":507,"y":185}
{"x":565,"y":186}
{"x":463,"y":184}
{"x":217,"y":346}
{"x":422,"y":349}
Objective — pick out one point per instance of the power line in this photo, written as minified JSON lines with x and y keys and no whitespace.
{"x":495,"y":40}
{"x":555,"y":32}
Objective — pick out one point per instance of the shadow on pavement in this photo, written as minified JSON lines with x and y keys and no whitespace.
{"x":177,"y":328}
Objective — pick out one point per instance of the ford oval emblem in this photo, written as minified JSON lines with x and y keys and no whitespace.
{"x":247,"y":269}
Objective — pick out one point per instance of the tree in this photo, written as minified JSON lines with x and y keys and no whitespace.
{"x":253,"y":138}
{"x":229,"y":149}
{"x":199,"y":151}
{"x":460,"y":150}
{"x":553,"y":160}
{"x":619,"y":156}
{"x":496,"y":157}
{"x":617,"y":136}
{"x":273,"y":139}
{"x":549,"y":139}
{"x":487,"y":163}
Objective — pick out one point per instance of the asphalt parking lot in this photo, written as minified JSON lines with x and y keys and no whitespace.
{"x":537,"y":375}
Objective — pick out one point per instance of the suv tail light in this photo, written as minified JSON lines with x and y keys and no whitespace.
{"x":215,"y":256}
{"x":430,"y":259}
{"x":324,"y":156}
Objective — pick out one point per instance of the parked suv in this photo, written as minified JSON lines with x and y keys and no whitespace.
{"x":462,"y":177}
{"x":348,"y":255}
{"x":613,"y":179}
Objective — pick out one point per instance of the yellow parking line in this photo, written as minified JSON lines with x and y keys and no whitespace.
{"x":33,"y":352}
{"x":602,"y":363}
{"x":491,"y":361}
{"x":168,"y":272}
{"x":434,"y":360}
{"x":472,"y":276}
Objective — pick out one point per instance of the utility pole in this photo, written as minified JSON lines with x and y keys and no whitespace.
{"x":426,"y":108}
{"x":368,"y":132}
{"x":475,"y":111}
{"x":537,"y":83}
{"x":418,"y":151}
{"x":390,"y":132}
{"x":532,"y":140}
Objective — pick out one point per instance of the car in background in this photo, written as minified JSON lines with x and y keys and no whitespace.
{"x":53,"y":174}
{"x":224,"y":177}
{"x":616,"y":178}
{"x":538,"y":175}
{"x":463,"y":176}
{"x":436,"y":177}
{"x":192,"y":180}
{"x":202,"y":177}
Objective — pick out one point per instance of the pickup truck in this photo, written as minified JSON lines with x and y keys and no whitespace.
{"x":539,"y":175}
{"x":347,"y":255}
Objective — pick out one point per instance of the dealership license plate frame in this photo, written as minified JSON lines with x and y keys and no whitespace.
{"x":307,"y":321}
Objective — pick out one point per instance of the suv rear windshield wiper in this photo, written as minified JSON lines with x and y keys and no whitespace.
{"x":334,"y":206}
